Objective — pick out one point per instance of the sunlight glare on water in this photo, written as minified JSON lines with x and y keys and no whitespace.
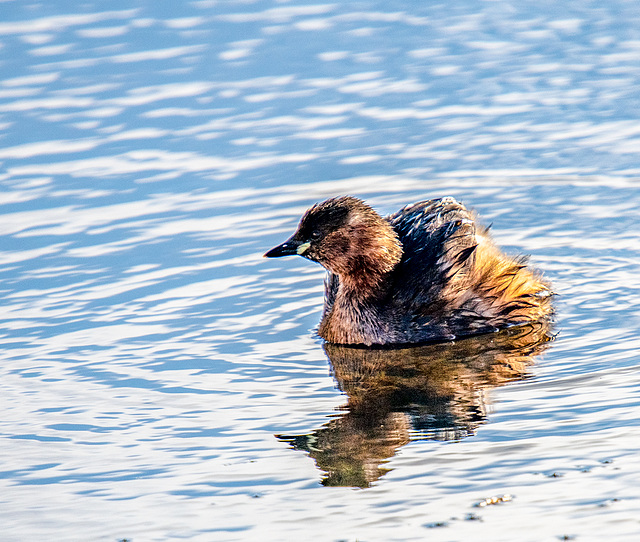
{"x":161,"y":380}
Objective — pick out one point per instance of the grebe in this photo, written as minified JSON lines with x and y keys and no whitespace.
{"x":427,"y":273}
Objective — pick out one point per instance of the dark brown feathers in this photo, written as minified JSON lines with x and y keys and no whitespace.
{"x":426,"y":273}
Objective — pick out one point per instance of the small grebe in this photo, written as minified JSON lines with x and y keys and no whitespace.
{"x":426,"y":273}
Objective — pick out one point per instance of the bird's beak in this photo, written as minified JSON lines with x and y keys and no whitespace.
{"x":289,"y":248}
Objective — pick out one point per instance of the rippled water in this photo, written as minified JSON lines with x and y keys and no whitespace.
{"x":161,"y":380}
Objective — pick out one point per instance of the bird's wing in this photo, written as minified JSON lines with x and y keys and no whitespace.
{"x":438,"y":241}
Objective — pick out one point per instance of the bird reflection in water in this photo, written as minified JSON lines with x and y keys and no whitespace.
{"x":428,"y":392}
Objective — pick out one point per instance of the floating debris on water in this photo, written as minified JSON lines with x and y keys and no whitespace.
{"x":494,"y":500}
{"x":437,"y":524}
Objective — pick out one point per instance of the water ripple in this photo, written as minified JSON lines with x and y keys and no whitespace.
{"x":151,"y":355}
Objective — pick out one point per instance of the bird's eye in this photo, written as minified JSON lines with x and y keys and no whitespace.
{"x":315,"y":234}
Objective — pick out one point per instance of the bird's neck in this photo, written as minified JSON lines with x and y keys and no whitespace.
{"x":354,"y":317}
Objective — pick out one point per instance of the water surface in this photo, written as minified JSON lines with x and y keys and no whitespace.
{"x":161,"y":380}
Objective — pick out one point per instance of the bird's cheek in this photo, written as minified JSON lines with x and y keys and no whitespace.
{"x":310,"y":254}
{"x":337,"y":244}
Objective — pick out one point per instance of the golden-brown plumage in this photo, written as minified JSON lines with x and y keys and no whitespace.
{"x":426,"y":273}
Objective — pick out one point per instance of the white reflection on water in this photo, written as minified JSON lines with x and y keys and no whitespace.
{"x":150,"y":355}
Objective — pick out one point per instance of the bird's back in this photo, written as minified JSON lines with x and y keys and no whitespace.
{"x":452,"y":280}
{"x":438,"y":238}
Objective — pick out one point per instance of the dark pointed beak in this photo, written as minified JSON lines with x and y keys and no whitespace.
{"x":288,"y":248}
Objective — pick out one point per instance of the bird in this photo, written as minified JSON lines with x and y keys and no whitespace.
{"x":427,"y":273}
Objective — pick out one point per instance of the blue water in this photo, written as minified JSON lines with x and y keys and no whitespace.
{"x":160,"y":380}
